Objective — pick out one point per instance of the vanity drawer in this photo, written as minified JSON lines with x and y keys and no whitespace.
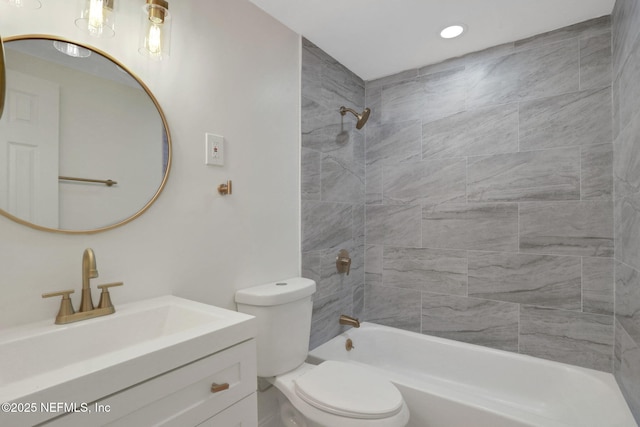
{"x":182,"y":397}
{"x":242,"y":414}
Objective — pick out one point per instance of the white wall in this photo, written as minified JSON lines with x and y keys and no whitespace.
{"x":233,"y":71}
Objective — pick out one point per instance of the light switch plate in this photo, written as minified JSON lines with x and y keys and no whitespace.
{"x":214,"y":146}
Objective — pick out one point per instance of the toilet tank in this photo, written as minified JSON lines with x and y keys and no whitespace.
{"x":283,"y":311}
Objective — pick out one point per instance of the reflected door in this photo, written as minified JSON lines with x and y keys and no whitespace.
{"x":29,"y":140}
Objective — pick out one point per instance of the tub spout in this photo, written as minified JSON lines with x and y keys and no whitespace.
{"x":350,"y":321}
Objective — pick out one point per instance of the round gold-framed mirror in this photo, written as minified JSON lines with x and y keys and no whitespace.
{"x":84,"y":145}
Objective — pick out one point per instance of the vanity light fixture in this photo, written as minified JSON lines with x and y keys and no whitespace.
{"x":155,"y":35}
{"x":73,"y":50}
{"x":452,"y":31}
{"x":97,"y":17}
{"x":25,"y":4}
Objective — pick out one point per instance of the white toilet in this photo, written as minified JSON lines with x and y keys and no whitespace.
{"x":332,"y":394}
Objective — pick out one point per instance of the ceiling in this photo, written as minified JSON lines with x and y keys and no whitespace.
{"x":377,"y":38}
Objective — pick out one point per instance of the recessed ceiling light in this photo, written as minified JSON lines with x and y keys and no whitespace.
{"x":452,"y":31}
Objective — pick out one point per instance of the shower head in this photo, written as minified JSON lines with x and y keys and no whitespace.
{"x":362,"y":118}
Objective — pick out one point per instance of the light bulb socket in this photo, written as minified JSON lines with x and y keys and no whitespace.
{"x":157,"y":10}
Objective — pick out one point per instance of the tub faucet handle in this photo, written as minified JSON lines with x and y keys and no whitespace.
{"x":343,"y":262}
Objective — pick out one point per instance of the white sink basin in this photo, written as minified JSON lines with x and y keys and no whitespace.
{"x":82,"y":361}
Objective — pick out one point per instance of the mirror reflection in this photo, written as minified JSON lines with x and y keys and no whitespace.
{"x":84,"y":145}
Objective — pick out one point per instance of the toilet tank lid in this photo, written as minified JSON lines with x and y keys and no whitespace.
{"x":276,"y":293}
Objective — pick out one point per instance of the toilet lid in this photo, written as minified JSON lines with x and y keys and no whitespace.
{"x":348,"y":390}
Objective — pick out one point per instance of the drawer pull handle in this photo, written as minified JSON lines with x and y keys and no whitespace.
{"x":215,"y":388}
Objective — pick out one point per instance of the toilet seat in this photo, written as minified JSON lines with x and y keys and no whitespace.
{"x":348,"y":390}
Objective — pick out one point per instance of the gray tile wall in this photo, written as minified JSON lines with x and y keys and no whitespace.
{"x":626,"y":153}
{"x":487,"y":182}
{"x":332,"y":186}
{"x":489,"y":198}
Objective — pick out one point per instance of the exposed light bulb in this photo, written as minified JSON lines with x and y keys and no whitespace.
{"x":154,"y":40}
{"x":96,"y":17}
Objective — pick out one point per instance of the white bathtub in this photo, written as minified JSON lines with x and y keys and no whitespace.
{"x":451,"y":384}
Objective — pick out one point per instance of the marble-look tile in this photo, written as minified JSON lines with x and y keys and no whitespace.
{"x":626,"y":160}
{"x":527,"y":176}
{"x":326,"y":81}
{"x":318,"y":125}
{"x":626,"y":232}
{"x":340,"y":86}
{"x":534,"y":73}
{"x":325,"y":225}
{"x":359,"y":223}
{"x":493,"y":81}
{"x":428,"y":182}
{"x":330,"y":281}
{"x":627,"y":368}
{"x":543,"y":280}
{"x":597,"y":285}
{"x":403,"y":101}
{"x":446,"y":65}
{"x":567,"y":228}
{"x":394,"y":143}
{"x":615,"y":98}
{"x":625,"y":30}
{"x":476,"y":321}
{"x":488,"y":53}
{"x":373,"y":184}
{"x":629,"y":96}
{"x":425,"y":98}
{"x":627,"y":299}
{"x":431,"y":270}
{"x":310,"y":174}
{"x":373,"y":264}
{"x":596,"y":172}
{"x":583,"y":29}
{"x":310,"y":265}
{"x":392,"y":79}
{"x":326,"y":312}
{"x":399,"y":308}
{"x":358,"y":301}
{"x":582,"y":339}
{"x":342,"y":180}
{"x":394,"y":225}
{"x":595,"y":61}
{"x":445,"y":93}
{"x":484,"y":131}
{"x":373,"y":100}
{"x":549,"y":69}
{"x":490,"y":226}
{"x":579,"y":118}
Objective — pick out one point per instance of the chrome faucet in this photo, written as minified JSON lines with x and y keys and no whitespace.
{"x":66,"y":314}
{"x":349,"y":321}
{"x":89,"y":271}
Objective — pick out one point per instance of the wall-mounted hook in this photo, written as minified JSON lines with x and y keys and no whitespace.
{"x":225,"y":189}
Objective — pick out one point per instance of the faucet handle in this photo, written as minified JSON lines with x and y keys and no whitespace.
{"x":105,"y":297}
{"x":66,"y":307}
{"x":343,"y":262}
